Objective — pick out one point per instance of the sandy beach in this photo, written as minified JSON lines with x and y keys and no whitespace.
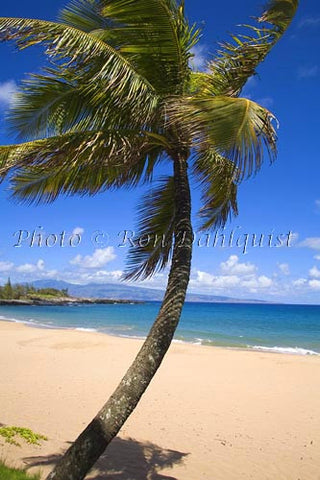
{"x":210,"y":413}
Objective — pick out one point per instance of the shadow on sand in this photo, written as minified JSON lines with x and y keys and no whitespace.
{"x":125,"y":459}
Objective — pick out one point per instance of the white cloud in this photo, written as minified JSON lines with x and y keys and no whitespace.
{"x":314,"y":284}
{"x":311,"y":242}
{"x":300,"y":282}
{"x":100,"y":276}
{"x":26,"y":268}
{"x":199,"y":61}
{"x":309,"y":22}
{"x":257,"y":282}
{"x":33,"y":271}
{"x":7,"y":89}
{"x":264,"y":281}
{"x":317,"y":257}
{"x":31,"y":267}
{"x":204,"y":279}
{"x":226,"y":281}
{"x":284,"y":268}
{"x":233,"y":267}
{"x":236,"y":279}
{"x":234,"y":275}
{"x":78,"y":231}
{"x":308,"y":72}
{"x":308,"y":285}
{"x":314,"y":272}
{"x":98,"y":259}
{"x":6,"y":266}
{"x":159,"y":280}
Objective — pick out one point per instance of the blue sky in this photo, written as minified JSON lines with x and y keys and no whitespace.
{"x":284,"y":198}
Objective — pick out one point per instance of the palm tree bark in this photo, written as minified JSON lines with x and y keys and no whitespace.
{"x":92,"y":442}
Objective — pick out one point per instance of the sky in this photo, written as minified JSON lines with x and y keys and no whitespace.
{"x":271,"y":251}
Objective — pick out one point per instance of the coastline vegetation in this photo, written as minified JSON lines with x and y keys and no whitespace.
{"x":27,"y":294}
{"x":21,"y":291}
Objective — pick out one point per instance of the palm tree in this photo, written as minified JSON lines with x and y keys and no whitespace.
{"x":118,"y":98}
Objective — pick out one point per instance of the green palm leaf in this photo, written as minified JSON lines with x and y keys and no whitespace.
{"x":144,"y":30}
{"x":156,"y":30}
{"x":83,"y":163}
{"x":235,"y":127}
{"x":218,"y":178}
{"x":153,"y":245}
{"x":237,"y":61}
{"x":56,"y":103}
{"x":80,"y":51}
{"x":85,"y":15}
{"x":46,"y":106}
{"x":280,"y":13}
{"x":38,"y":184}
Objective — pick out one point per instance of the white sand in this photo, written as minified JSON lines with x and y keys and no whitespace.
{"x":210,"y":413}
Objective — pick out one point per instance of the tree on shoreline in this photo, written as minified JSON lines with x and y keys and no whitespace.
{"x":25,"y":291}
{"x":118,"y":98}
{"x":7,"y":291}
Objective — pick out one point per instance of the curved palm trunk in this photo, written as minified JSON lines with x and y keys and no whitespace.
{"x":92,"y":442}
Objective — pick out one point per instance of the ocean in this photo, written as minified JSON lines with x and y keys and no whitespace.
{"x":292,"y":329}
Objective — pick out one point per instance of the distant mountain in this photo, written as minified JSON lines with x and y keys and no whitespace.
{"x":125,"y":292}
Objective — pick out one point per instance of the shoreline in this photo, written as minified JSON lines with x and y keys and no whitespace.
{"x":208,"y":413}
{"x":65,"y":301}
{"x":295,"y":351}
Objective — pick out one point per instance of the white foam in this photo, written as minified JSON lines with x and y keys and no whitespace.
{"x":9,"y":319}
{"x":290,"y":350}
{"x":31,"y":323}
{"x":135,"y":337}
{"x":82,"y":329}
{"x":197,"y":341}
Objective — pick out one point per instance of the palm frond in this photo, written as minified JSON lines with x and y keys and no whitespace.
{"x":153,"y":245}
{"x":280,"y":13}
{"x":237,"y":128}
{"x":85,"y":163}
{"x":218,"y":178}
{"x":155,"y":36}
{"x":80,"y":50}
{"x":61,"y":101}
{"x":237,"y":60}
{"x":85,"y":15}
{"x":45,"y":106}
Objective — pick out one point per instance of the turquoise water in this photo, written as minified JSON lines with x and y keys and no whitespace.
{"x":283,"y":328}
